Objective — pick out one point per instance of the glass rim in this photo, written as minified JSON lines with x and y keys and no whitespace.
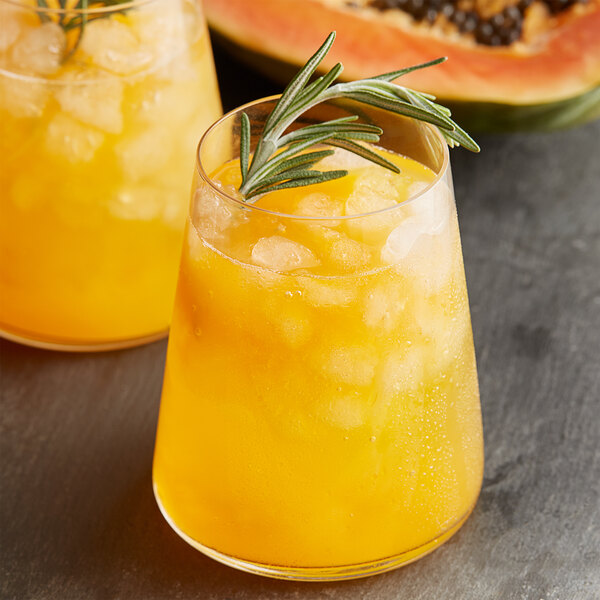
{"x":51,"y":10}
{"x":242,"y":204}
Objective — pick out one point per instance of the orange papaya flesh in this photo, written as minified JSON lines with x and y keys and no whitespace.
{"x":556,"y":64}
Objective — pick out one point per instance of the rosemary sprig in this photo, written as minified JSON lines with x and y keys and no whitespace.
{"x":73,"y":15}
{"x":281,"y":160}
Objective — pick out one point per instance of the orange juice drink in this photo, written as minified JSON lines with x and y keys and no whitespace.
{"x":320,"y":415}
{"x":100,"y":113}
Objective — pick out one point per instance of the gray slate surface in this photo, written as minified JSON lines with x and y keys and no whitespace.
{"x":78,"y":519}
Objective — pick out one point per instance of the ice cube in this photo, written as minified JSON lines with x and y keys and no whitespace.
{"x":346,"y":411}
{"x":374,"y":190}
{"x":429,"y":259}
{"x":384,"y":307}
{"x":327,"y":292}
{"x":279,"y":253}
{"x":348,"y":254}
{"x":148,"y":202}
{"x":280,"y":307}
{"x":350,"y":365}
{"x":175,"y":103}
{"x":8,"y":35}
{"x":143,"y":155}
{"x":40,"y":50}
{"x":13,"y":22}
{"x":402,"y":239}
{"x":213,"y":215}
{"x":433,"y":207}
{"x":160,"y":27}
{"x":403,"y":371}
{"x":416,"y":187}
{"x":23,"y":98}
{"x":320,"y":205}
{"x":140,"y":203}
{"x":429,"y":215}
{"x":343,"y":159}
{"x":149,"y":103}
{"x":337,"y":250}
{"x":442,"y":257}
{"x":443,"y":332}
{"x":294,"y":326}
{"x":112,"y":45}
{"x":70,"y":139}
{"x":92,"y":97}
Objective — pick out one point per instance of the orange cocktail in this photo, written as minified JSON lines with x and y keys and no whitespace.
{"x":320,"y":414}
{"x":100,"y":112}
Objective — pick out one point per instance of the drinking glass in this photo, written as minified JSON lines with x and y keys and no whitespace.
{"x":100,"y":111}
{"x":320,"y":413}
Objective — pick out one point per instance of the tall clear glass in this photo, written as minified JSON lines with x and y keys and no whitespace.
{"x":320,"y":414}
{"x":100,"y":111}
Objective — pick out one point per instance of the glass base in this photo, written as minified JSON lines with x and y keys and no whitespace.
{"x":74,"y":346}
{"x":339,"y":573}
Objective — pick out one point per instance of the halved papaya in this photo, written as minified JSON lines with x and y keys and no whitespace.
{"x":513,"y":64}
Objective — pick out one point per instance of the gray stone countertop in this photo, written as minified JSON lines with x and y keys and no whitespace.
{"x":78,"y":518}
